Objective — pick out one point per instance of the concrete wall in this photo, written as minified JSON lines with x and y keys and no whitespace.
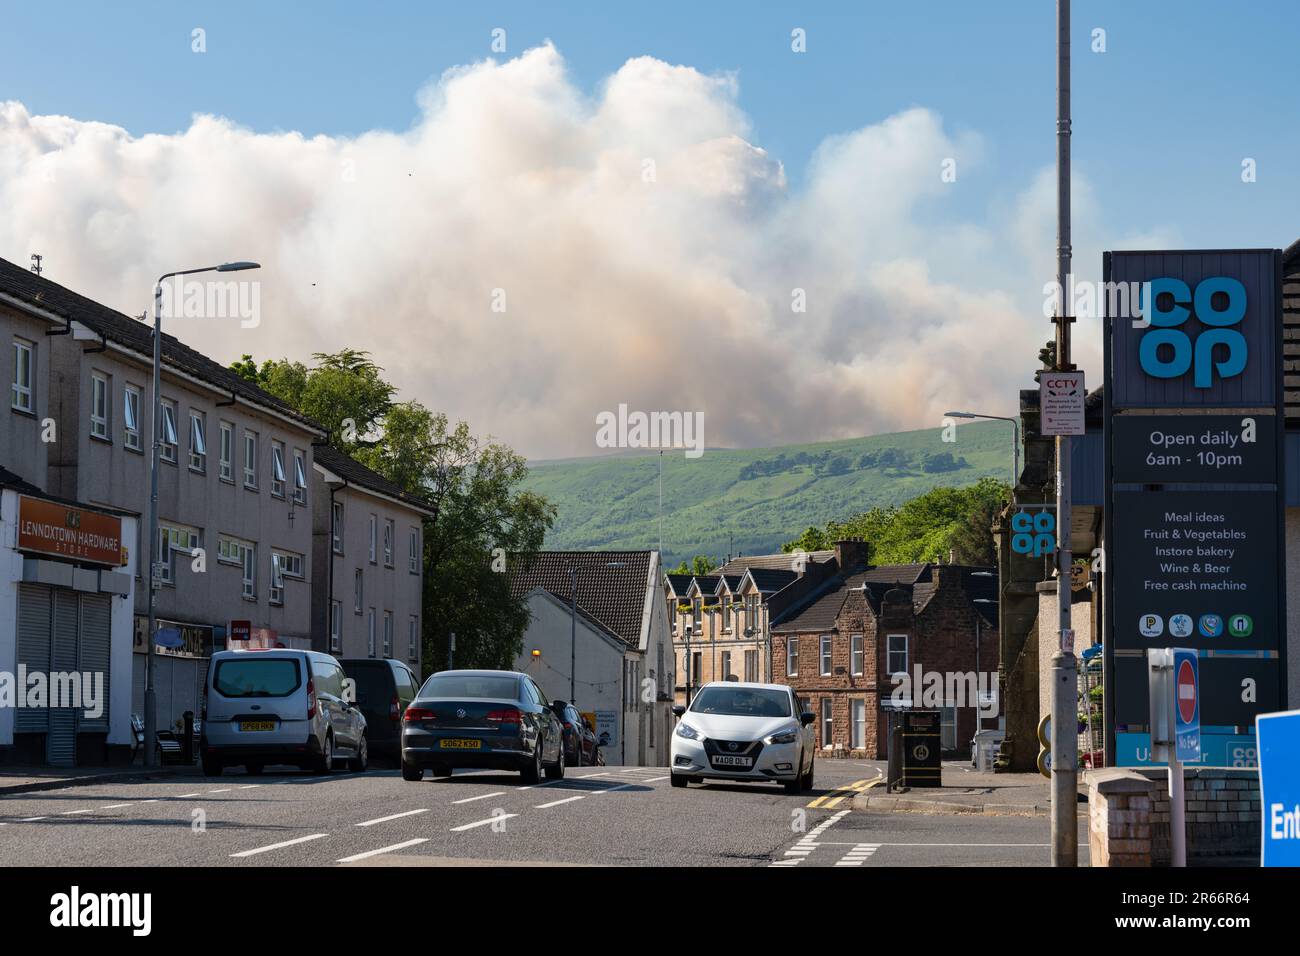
{"x":385,"y":587}
{"x":20,"y":433}
{"x":107,"y":472}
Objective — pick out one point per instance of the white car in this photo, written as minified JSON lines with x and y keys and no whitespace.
{"x":742,"y":731}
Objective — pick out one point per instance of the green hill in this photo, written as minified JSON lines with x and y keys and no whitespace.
{"x":751,"y":501}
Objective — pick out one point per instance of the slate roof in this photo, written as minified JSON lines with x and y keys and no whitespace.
{"x":784,"y":562}
{"x":771,"y":580}
{"x":9,"y":479}
{"x":358,"y":474}
{"x":613,"y":596}
{"x":23,"y":284}
{"x":679,"y":583}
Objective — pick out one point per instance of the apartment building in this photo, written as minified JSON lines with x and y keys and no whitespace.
{"x":233,"y":494}
{"x":368,"y":548}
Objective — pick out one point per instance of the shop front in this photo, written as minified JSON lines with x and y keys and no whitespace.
{"x":66,"y":594}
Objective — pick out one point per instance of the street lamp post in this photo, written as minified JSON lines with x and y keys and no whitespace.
{"x":150,"y":699}
{"x":1015,"y":438}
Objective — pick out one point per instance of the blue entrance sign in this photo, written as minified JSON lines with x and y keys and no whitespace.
{"x":1279,"y":787}
{"x":1187,"y":706}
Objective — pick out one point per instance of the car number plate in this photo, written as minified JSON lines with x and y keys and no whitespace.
{"x":726,"y":760}
{"x":460,"y":744}
{"x":247,"y":725}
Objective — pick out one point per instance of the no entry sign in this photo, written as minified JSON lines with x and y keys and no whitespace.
{"x":1187,"y":709}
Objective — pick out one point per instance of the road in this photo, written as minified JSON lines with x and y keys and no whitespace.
{"x":595,"y":815}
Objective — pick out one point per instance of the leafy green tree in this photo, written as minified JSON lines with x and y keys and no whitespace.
{"x":699,"y":565}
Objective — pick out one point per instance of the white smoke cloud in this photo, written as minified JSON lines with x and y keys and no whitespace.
{"x":647,"y":251}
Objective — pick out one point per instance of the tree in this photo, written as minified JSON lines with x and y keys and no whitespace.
{"x":700,"y":565}
{"x":480,"y":514}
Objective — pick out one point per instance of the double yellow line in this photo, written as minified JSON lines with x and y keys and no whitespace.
{"x":828,"y":801}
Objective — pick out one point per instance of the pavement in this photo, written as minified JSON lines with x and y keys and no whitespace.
{"x":967,"y":791}
{"x":18,"y":779}
{"x":616,"y":816}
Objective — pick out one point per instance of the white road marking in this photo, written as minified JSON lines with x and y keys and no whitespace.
{"x":277,"y":846}
{"x":249,"y":786}
{"x":808,"y":842}
{"x":382,"y":849}
{"x":653,"y":779}
{"x":481,"y":823}
{"x":481,"y":796}
{"x":223,"y":790}
{"x":30,"y":819}
{"x":556,"y":803}
{"x":70,"y":812}
{"x":408,"y":813}
{"x":115,"y":806}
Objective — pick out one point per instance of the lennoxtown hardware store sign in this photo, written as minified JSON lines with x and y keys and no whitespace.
{"x":64,"y":531}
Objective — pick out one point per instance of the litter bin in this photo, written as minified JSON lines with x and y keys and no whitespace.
{"x":984,"y":749}
{"x":914,"y":752}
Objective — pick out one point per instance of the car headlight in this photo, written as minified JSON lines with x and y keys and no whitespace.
{"x":788,"y":736}
{"x":687,"y":731}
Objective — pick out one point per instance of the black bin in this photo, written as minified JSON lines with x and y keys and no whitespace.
{"x":914,"y":749}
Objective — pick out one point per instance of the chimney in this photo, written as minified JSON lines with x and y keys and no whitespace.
{"x":851,"y":553}
{"x":946,"y":576}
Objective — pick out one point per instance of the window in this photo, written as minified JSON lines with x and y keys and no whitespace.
{"x":826,"y":655}
{"x":828,"y":724}
{"x":291,"y":565}
{"x":374,"y":538}
{"x":276,"y":594}
{"x":170,"y":537}
{"x":243,"y":554}
{"x":413,"y":639}
{"x":697,"y":667}
{"x":751,"y":666}
{"x":726,"y":665}
{"x":131,"y":418}
{"x":370,"y":632}
{"x":336,"y":625}
{"x":226,"y":470}
{"x":697,"y":612}
{"x":24,"y":367}
{"x":792,"y":656}
{"x":413,"y":559}
{"x":167,"y":440}
{"x":726,"y":612}
{"x":336,"y":527}
{"x":855,"y":654}
{"x":299,"y":476}
{"x":897,"y":651}
{"x":99,"y":392}
{"x":277,"y":469}
{"x":358,"y":591}
{"x":231,"y":550}
{"x":858,"y":724}
{"x":198,"y":441}
{"x":250,"y":460}
{"x":388,"y":633}
{"x":250,"y":573}
{"x":389,"y":532}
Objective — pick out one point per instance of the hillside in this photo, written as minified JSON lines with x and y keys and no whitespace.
{"x":751,"y":501}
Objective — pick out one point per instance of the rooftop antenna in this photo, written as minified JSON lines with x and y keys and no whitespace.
{"x":36,"y":263}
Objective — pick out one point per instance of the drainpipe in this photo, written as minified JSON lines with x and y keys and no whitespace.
{"x":334,"y":486}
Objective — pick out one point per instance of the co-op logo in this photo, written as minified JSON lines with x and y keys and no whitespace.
{"x":1167,"y":351}
{"x":1033,"y":534}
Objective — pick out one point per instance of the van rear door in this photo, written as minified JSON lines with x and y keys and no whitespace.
{"x":263,"y":697}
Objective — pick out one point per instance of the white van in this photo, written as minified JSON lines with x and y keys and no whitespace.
{"x":279,"y":706}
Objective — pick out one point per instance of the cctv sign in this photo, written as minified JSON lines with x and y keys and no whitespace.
{"x":1060,"y":399}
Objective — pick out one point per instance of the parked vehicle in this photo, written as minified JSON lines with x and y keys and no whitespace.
{"x":483,"y":719}
{"x":744,"y":731}
{"x":382,"y":689}
{"x":580,"y":744}
{"x":279,"y":706}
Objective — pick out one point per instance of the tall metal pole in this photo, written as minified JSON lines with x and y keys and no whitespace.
{"x":1065,"y":738}
{"x":150,"y":698}
{"x":573,"y":632}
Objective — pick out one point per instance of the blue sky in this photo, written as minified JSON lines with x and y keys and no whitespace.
{"x":1162,"y":119}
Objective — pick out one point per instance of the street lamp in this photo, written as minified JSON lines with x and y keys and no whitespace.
{"x":150,"y":701}
{"x":573,"y":626}
{"x":1015,"y":438}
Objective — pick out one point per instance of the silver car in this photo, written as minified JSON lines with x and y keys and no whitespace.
{"x":279,"y":706}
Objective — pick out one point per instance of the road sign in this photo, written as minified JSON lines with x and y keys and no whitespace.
{"x":1187,"y":710}
{"x":1279,"y":786}
{"x":1060,"y":398}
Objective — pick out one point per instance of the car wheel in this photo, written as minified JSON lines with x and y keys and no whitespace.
{"x":556,"y":771}
{"x":361,"y":761}
{"x":533,"y":772}
{"x":412,"y":773}
{"x":211,"y":768}
{"x":253,"y":769}
{"x":679,"y":779}
{"x":325,"y":763}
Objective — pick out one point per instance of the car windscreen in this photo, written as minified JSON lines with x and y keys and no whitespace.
{"x":471,"y":685}
{"x":742,"y":702}
{"x":256,"y":677}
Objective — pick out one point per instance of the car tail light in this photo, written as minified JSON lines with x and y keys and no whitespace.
{"x":418,"y":713}
{"x":507,"y":715}
{"x":395,"y":709}
{"x":311,"y":699}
